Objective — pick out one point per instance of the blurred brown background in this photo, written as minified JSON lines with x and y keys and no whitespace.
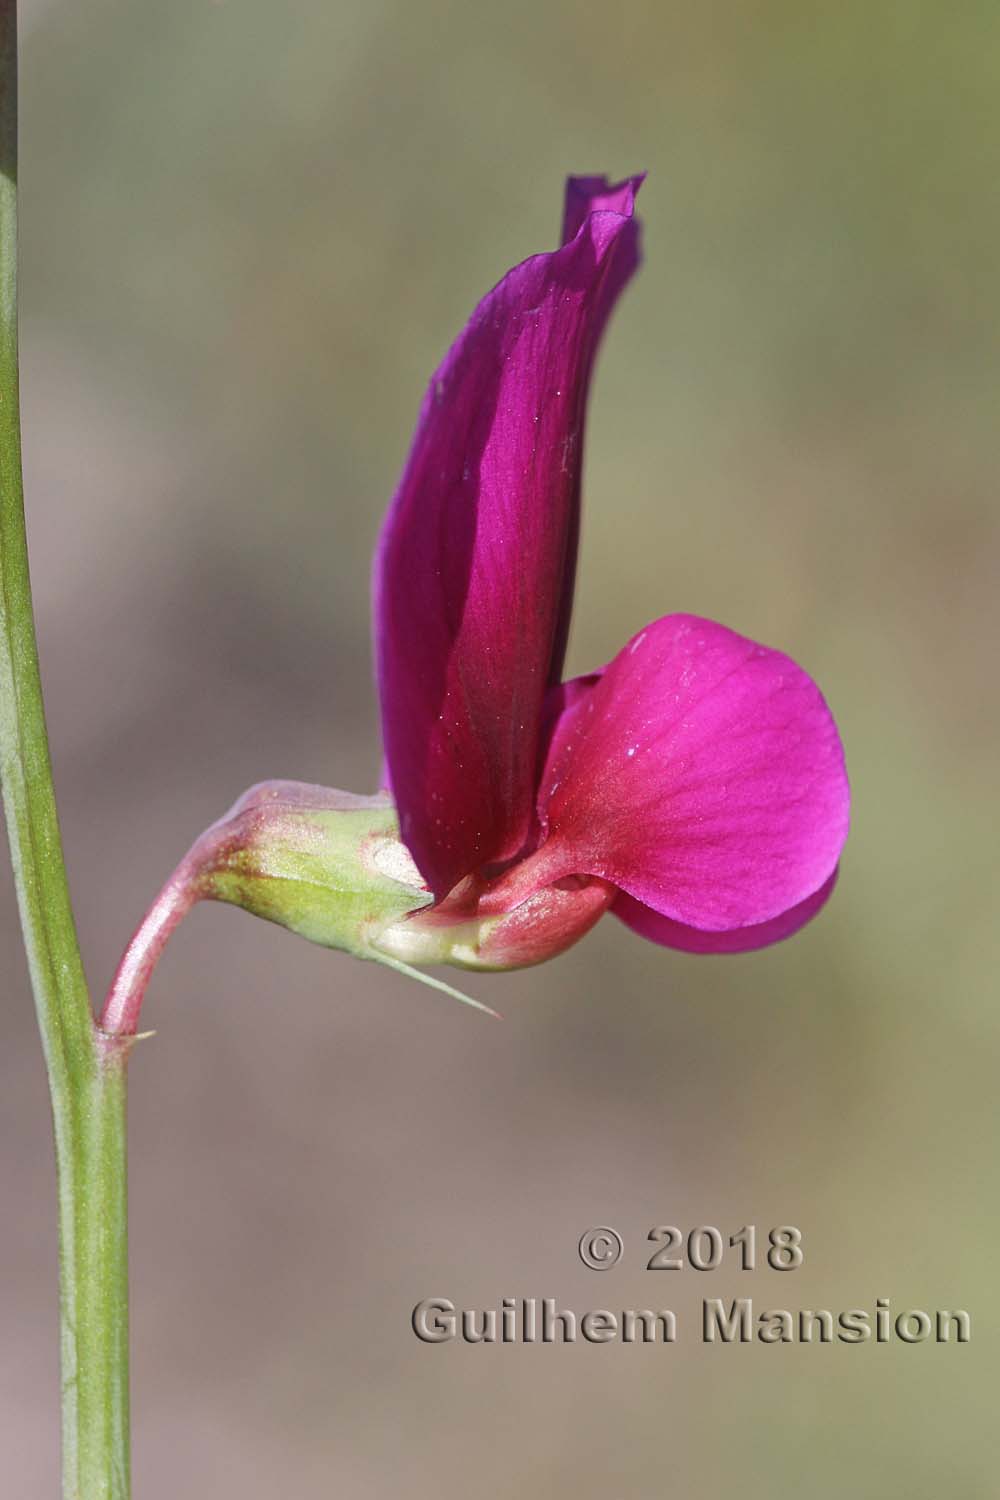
{"x":249,"y":231}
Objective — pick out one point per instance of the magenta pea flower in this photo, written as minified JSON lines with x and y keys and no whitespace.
{"x":694,"y":786}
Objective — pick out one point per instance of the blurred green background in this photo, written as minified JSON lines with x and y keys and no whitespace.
{"x":249,"y":231}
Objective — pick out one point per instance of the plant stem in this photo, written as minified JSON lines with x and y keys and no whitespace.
{"x":94,"y":1287}
{"x":86,"y":1073}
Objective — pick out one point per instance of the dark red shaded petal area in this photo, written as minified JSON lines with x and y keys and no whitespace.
{"x":659,"y":929}
{"x":702,"y":774}
{"x":474,"y":565}
{"x":559,"y":700}
{"x":547,"y":923}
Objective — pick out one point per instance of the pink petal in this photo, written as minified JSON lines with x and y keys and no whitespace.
{"x":475,"y":560}
{"x":702,"y":774}
{"x":659,"y":929}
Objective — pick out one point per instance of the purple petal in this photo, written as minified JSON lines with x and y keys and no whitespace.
{"x":702,"y":775}
{"x":586,"y":195}
{"x":659,"y":929}
{"x":471,"y":569}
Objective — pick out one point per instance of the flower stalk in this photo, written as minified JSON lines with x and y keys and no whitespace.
{"x":86,"y":1078}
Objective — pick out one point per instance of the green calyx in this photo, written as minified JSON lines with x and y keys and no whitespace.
{"x":326,"y":864}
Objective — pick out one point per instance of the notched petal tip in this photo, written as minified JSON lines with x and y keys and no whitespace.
{"x":589,"y":195}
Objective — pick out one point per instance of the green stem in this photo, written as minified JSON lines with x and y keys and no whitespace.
{"x":86,"y":1073}
{"x":94,"y":1288}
